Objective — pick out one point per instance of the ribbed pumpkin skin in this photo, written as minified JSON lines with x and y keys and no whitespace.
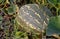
{"x":34,"y":16}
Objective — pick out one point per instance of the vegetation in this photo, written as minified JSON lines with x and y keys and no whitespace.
{"x":11,"y":29}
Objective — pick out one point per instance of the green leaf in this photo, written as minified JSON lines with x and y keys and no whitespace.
{"x":58,"y":1}
{"x":11,"y":1}
{"x":54,"y":25}
{"x":59,"y":11}
{"x":18,"y":33}
{"x":54,"y":2}
{"x":1,"y":1}
{"x":11,"y":9}
{"x":55,"y":22}
{"x":1,"y":17}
